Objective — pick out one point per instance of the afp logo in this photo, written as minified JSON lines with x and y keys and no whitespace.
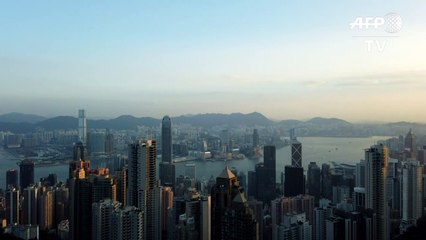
{"x":391,"y":22}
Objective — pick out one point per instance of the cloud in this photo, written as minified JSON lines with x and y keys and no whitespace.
{"x":317,"y":83}
{"x":385,"y":79}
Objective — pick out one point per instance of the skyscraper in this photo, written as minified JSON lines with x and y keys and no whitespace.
{"x":82,"y":126}
{"x":265,"y":176}
{"x":314,"y":181}
{"x":12,"y":206}
{"x":376,"y":168}
{"x":222,"y":194}
{"x":296,"y":153}
{"x":167,"y":174}
{"x":166,"y":139}
{"x":412,"y":191}
{"x":143,"y":191}
{"x":255,"y":138}
{"x":410,"y":145}
{"x":26,"y":173}
{"x":12,"y":178}
{"x":239,"y":221}
{"x":294,"y":183}
{"x":30,"y":205}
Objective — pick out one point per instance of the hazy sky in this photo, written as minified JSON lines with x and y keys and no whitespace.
{"x":285,"y":59}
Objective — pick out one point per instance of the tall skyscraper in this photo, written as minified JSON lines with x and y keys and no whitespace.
{"x":376,"y":168}
{"x":102,"y":212}
{"x":143,"y":191}
{"x":296,"y":153}
{"x":239,"y":221}
{"x":255,"y":138}
{"x":121,"y":177}
{"x":294,"y":183}
{"x":410,"y":145}
{"x":79,"y":151}
{"x":12,"y":178}
{"x":265,"y":176}
{"x":166,"y":139}
{"x":82,"y":126}
{"x":12,"y":206}
{"x":30,"y":205}
{"x":167,"y":174}
{"x":412,"y":192}
{"x":46,"y":209}
{"x":128,"y":224}
{"x":166,"y":210}
{"x":223,"y":192}
{"x":26,"y":173}
{"x":314,"y":181}
{"x":84,"y":191}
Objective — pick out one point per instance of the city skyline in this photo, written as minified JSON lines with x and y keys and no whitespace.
{"x":152,"y":59}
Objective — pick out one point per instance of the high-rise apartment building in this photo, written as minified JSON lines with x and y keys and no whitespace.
{"x":376,"y":169}
{"x":30,"y":205}
{"x":412,"y":192}
{"x":12,"y":206}
{"x":143,"y":191}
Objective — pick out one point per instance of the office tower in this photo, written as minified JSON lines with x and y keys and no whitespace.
{"x":12,"y":206}
{"x":412,"y":192}
{"x":255,"y":138}
{"x":80,"y":151}
{"x":46,"y":207}
{"x":251,"y":184}
{"x":30,"y":205}
{"x":296,"y":153}
{"x":239,"y":221}
{"x":102,"y":212}
{"x":222,"y":194}
{"x":314,"y":181}
{"x":26,"y":173}
{"x":265,"y":177}
{"x":360,"y":174}
{"x":294,"y":183}
{"x":410,"y":145}
{"x":166,"y":139}
{"x":326,"y":188}
{"x":11,"y":178}
{"x":109,"y":142}
{"x":121,"y":178}
{"x":167,"y":174}
{"x":190,"y":170}
{"x":82,"y":126}
{"x":143,"y":191}
{"x":376,"y":168}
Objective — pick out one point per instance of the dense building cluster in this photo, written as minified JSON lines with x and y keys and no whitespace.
{"x":138,"y":197}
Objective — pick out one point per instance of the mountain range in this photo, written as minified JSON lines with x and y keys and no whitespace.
{"x":25,"y":123}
